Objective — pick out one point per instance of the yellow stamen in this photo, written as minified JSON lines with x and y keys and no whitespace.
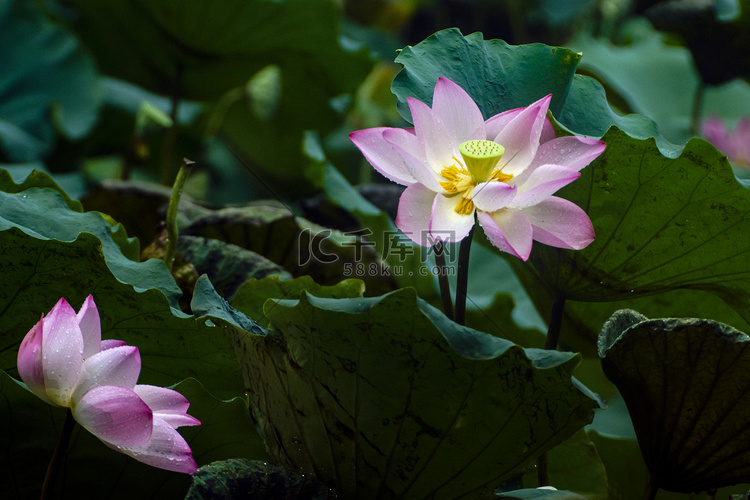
{"x":465,"y":206}
{"x":498,"y":175}
{"x":457,"y":179}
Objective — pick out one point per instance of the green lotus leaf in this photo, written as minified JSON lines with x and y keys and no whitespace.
{"x":499,"y":77}
{"x":45,"y":214}
{"x":228,"y":266}
{"x":685,"y":382}
{"x":386,"y":398}
{"x":235,"y":478}
{"x":674,"y":230}
{"x":55,"y":90}
{"x":36,"y":179}
{"x":251,"y":297}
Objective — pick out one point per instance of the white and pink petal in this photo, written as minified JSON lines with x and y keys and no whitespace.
{"x":166,"y":449}
{"x":162,"y":399}
{"x":458,"y":112}
{"x":434,"y":137}
{"x":30,"y":365}
{"x":492,"y":196}
{"x":414,"y":213}
{"x":572,"y":152}
{"x":167,"y":404}
{"x":413,"y":160}
{"x":381,"y":155}
{"x":509,"y":230}
{"x":497,"y":123}
{"x":446,"y":224}
{"x":62,"y":352}
{"x":543,"y":182}
{"x":560,"y":223}
{"x":91,"y":328}
{"x":521,"y":136}
{"x":110,"y":343}
{"x":116,"y":415}
{"x":118,"y":366}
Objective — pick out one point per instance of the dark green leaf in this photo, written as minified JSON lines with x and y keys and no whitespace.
{"x":236,"y":479}
{"x":661,"y":224}
{"x":254,"y":294}
{"x":48,"y":83}
{"x":500,"y":77}
{"x":226,"y":430}
{"x":209,"y":305}
{"x":685,"y":382}
{"x":301,"y":247}
{"x":575,"y":466}
{"x":36,"y":179}
{"x":386,"y":398}
{"x":228,"y":266}
{"x":45,"y":214}
{"x":219,"y":51}
{"x":211,"y":46}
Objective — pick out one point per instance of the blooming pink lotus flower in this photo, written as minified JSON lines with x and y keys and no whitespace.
{"x":736,"y":144}
{"x":64,"y":361}
{"x":505,"y":170}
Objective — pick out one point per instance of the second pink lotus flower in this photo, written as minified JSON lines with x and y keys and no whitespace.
{"x":64,"y":362}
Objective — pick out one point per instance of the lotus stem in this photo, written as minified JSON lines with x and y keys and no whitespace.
{"x":54,"y":464}
{"x":555,"y":324}
{"x":463,"y":278}
{"x":445,"y":287}
{"x":553,"y":336}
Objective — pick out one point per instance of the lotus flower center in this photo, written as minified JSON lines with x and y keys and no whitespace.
{"x":481,"y":159}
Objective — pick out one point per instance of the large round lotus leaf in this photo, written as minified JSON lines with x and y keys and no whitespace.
{"x":499,"y":77}
{"x":686,"y":383}
{"x":662,"y":225}
{"x":386,"y":398}
{"x":47,"y":82}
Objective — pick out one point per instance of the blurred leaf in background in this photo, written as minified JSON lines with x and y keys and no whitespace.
{"x":49,"y":84}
